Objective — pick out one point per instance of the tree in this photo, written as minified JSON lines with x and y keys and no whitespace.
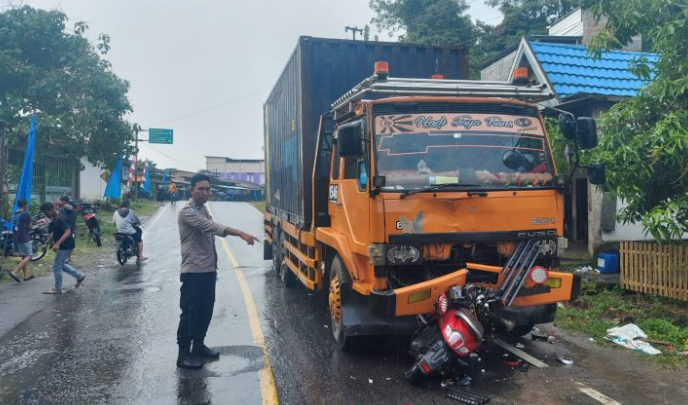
{"x":645,"y":139}
{"x":433,"y":22}
{"x":445,"y":22}
{"x":521,"y":19}
{"x":61,"y":78}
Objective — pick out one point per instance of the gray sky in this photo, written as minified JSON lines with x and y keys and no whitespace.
{"x":205,"y":67}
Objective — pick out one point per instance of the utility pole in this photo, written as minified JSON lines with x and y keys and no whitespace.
{"x":3,"y":126}
{"x":354,"y":30}
{"x":135,"y":183}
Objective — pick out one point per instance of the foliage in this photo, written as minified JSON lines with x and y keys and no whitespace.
{"x":444,"y":22}
{"x":58,"y":75}
{"x":558,"y":144}
{"x":433,"y":22}
{"x":522,"y":18}
{"x":645,"y":141}
{"x":598,"y":309}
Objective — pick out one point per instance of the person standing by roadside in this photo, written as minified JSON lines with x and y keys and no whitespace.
{"x":67,"y":209}
{"x":22,"y":241}
{"x":197,"y":232}
{"x":172,"y":189}
{"x":63,"y":246}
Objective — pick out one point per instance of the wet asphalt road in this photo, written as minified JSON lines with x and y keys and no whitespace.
{"x":113,"y":342}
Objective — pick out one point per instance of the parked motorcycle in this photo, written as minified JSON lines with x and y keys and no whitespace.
{"x":38,"y":234}
{"x":126,"y":248}
{"x":89,"y":214}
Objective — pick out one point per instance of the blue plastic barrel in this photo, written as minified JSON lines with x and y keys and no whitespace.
{"x":608,"y":263}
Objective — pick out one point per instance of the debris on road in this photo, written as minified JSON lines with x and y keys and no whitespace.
{"x":537,"y":335}
{"x":520,"y":353}
{"x":370,"y":380}
{"x":565,"y":360}
{"x":586,"y":269}
{"x":467,"y":397}
{"x":630,"y":336}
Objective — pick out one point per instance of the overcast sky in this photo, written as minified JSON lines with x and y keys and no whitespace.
{"x":205,"y":67}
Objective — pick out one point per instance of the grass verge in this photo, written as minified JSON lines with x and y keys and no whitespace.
{"x":260,"y":205}
{"x":600,"y":308}
{"x":86,"y":253}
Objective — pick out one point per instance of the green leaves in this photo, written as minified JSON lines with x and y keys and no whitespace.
{"x":58,"y":75}
{"x":645,"y":139}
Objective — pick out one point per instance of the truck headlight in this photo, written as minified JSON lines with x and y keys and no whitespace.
{"x":376,"y":254}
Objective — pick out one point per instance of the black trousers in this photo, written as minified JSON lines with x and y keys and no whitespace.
{"x":197,"y":302}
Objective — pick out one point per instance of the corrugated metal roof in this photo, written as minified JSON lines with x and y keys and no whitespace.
{"x":571,"y":70}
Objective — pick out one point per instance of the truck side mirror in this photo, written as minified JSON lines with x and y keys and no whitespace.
{"x":349,"y":140}
{"x":567,"y":124}
{"x":587,"y":133}
{"x":596,"y":173}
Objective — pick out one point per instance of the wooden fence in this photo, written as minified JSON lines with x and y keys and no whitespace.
{"x":655,"y":269}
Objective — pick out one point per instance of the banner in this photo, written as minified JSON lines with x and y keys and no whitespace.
{"x":26,"y":179}
{"x":114,"y":185}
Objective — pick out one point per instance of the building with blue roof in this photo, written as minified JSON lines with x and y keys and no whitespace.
{"x":573,"y":73}
{"x":584,"y":86}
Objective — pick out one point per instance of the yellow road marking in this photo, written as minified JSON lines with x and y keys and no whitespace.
{"x":267,"y":379}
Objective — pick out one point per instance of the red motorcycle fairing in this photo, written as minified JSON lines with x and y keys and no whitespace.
{"x":462,"y":331}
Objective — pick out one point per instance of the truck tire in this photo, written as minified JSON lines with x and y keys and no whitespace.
{"x":283,"y":272}
{"x":339,"y":280}
{"x":520,"y":330}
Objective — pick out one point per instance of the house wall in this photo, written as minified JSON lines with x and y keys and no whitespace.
{"x":91,"y":185}
{"x":253,"y":171}
{"x":499,"y":70}
{"x":569,"y":26}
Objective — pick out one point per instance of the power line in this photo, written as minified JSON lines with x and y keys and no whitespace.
{"x":205,"y":110}
{"x":186,"y":164}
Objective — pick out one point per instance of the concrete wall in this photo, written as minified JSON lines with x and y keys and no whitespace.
{"x":91,"y":186}
{"x":500,"y":69}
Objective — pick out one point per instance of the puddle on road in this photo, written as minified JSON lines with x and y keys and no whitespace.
{"x":129,"y":290}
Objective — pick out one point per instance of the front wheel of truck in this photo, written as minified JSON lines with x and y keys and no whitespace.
{"x":339,"y":280}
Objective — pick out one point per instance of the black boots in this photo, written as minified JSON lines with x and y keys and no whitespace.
{"x":186,"y":360}
{"x":201,"y":350}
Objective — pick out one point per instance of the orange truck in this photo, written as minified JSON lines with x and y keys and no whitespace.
{"x":408,"y":186}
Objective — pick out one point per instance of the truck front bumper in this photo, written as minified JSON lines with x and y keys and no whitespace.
{"x":414,"y":299}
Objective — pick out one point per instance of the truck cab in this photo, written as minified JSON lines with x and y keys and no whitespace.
{"x":422,"y":184}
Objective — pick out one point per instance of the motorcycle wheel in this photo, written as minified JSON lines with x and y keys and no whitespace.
{"x":37,"y":249}
{"x":122,"y":257}
{"x":96,"y":237}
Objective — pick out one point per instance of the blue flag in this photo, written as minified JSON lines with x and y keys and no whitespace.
{"x":114,"y":185}
{"x":164,"y":177}
{"x":146,"y":181}
{"x":26,"y":179}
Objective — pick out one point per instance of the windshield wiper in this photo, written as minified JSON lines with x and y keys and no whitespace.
{"x":436,"y":187}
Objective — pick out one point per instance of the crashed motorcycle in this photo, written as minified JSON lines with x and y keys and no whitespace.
{"x":468,"y":316}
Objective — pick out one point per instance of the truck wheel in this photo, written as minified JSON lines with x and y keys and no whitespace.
{"x":520,"y":330}
{"x":283,"y":272}
{"x":276,"y":251}
{"x":339,"y":280}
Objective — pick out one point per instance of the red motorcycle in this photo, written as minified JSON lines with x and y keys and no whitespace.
{"x":465,"y":317}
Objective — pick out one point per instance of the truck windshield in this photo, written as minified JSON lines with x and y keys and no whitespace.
{"x":490,"y":150}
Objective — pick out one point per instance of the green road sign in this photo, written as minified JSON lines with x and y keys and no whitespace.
{"x":159,"y":135}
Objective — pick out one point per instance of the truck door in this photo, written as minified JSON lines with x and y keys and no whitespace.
{"x":349,"y":200}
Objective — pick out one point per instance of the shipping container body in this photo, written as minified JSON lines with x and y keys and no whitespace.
{"x":318,"y":72}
